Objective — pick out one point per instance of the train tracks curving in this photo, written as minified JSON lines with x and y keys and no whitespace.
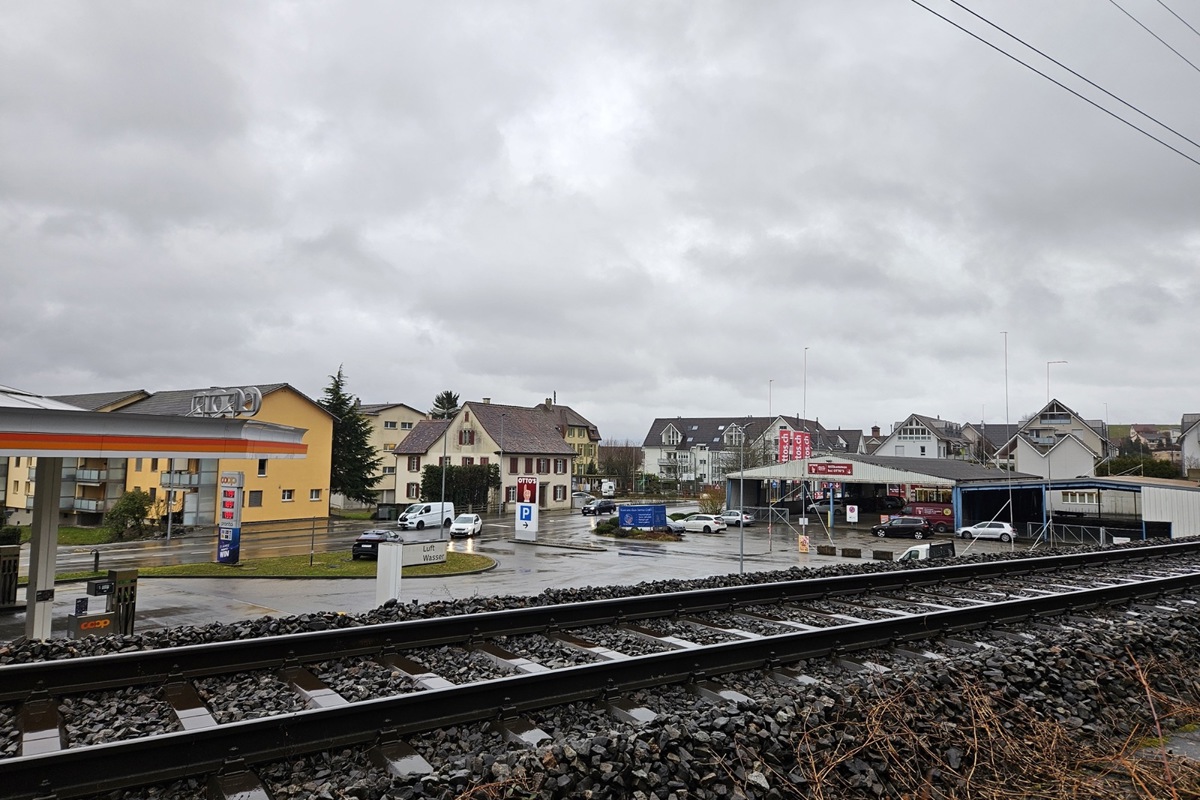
{"x":85,"y":726}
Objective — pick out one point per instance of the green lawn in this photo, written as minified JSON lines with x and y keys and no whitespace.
{"x":78,"y":537}
{"x":325,"y":565}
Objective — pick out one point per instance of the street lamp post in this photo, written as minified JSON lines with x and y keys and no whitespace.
{"x":1048,"y":363}
{"x":502,"y":497}
{"x":445,"y":436}
{"x":804,"y":396}
{"x":742,"y":501}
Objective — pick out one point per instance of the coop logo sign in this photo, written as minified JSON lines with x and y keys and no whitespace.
{"x":94,"y":624}
{"x":243,"y":402}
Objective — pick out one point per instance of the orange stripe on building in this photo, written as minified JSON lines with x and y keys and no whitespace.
{"x":68,"y":443}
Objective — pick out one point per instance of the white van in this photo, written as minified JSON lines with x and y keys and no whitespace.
{"x":608,"y":489}
{"x":426,"y":515}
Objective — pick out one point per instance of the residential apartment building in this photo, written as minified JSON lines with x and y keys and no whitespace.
{"x":390,"y":424}
{"x":275,"y":489}
{"x":576,"y":431}
{"x":1056,"y":442}
{"x":702,"y":450}
{"x":920,"y":436}
{"x":522,"y":441}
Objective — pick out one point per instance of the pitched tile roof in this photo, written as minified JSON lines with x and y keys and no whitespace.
{"x":422,"y":437}
{"x":94,"y":401}
{"x":526,"y":430}
{"x":566,"y":416}
{"x":374,"y":409}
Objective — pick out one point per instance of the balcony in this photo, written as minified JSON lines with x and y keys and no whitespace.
{"x":82,"y":504}
{"x":178,"y":479}
{"x":91,"y":476}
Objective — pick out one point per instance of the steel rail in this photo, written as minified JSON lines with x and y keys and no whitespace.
{"x":83,"y":771}
{"x":19,"y":682}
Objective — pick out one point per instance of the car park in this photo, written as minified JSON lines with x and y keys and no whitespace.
{"x":734,"y":517}
{"x":987,"y":530}
{"x":597,"y":507}
{"x":465,"y":525}
{"x":367,"y":543}
{"x":916,"y":527}
{"x":704,"y":523}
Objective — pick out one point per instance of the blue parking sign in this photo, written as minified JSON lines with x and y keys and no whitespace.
{"x":526,"y":513}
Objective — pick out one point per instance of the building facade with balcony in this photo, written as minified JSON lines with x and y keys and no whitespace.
{"x":390,"y":424}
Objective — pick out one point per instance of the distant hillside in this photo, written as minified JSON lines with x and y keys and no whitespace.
{"x":1122,"y":431}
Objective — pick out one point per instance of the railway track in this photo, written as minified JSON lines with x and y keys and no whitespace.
{"x":500,"y":667}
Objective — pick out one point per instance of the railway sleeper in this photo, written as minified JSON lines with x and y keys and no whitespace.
{"x":711,"y":690}
{"x":315,"y":692}
{"x":599,"y":651}
{"x":398,"y":758}
{"x":189,"y":709}
{"x":420,"y":674}
{"x":41,"y":725}
{"x":778,"y":620}
{"x":830,"y":615}
{"x":519,"y":730}
{"x":916,"y":655}
{"x":628,"y":711}
{"x":509,"y":660}
{"x":789,"y":676}
{"x":235,"y":782}
{"x":708,"y":626}
{"x":646,"y":633}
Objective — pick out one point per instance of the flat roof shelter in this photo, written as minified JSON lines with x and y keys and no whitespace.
{"x":51,"y":431}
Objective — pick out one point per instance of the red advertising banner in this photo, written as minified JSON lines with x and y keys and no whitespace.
{"x":822,"y":468}
{"x":801,"y":444}
{"x":527,"y":489}
{"x":785,"y":446}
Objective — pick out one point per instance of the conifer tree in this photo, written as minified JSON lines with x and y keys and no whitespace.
{"x":354,"y":463}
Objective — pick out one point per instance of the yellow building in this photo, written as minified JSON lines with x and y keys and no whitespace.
{"x":390,"y":424}
{"x":274,"y":490}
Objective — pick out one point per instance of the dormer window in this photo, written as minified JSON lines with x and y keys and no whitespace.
{"x":671,"y":437}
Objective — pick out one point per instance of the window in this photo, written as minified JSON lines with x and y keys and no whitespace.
{"x":18,"y":462}
{"x":483,"y":461}
{"x":513,"y":466}
{"x":468,"y":461}
{"x":153,"y":493}
{"x":388,"y":447}
{"x":1086,"y":498}
{"x":543,"y":466}
{"x":17,"y":486}
{"x":671,"y":437}
{"x":406,"y":426}
{"x":288,"y":495}
{"x":510,"y":494}
{"x":254,"y":498}
{"x":466,"y":416}
{"x":389,"y":470}
{"x":560,"y":492}
{"x":466,"y":436}
{"x":560,"y":466}
{"x":922,"y":449}
{"x":262,"y":468}
{"x":314,"y":494}
{"x":137,"y":465}
{"x":414,"y":463}
{"x":529,"y":466}
{"x":412,"y":491}
{"x":389,"y":424}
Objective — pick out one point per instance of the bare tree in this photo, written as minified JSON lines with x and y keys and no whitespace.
{"x":621,"y":459}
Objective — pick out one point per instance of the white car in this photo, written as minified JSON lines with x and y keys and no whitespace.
{"x":704,"y":523}
{"x":987,"y":530}
{"x":733,"y":518}
{"x":466,"y":525}
{"x":675,"y":525}
{"x":822,"y":506}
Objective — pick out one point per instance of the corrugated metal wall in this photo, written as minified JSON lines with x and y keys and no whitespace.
{"x":1180,"y":508}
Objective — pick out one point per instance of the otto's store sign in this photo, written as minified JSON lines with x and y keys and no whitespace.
{"x":821,"y":468}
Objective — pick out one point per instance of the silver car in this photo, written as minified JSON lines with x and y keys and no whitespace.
{"x":733,"y":518}
{"x":987,"y":530}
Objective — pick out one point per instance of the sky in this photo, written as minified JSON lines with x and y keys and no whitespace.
{"x":847,"y":209}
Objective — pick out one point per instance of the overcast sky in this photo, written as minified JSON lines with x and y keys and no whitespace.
{"x":644,"y":208}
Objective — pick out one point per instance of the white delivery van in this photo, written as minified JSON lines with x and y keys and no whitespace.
{"x":608,"y":489}
{"x":419,"y":516}
{"x":923,"y":552}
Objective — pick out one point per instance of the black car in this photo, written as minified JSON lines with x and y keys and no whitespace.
{"x":597,"y":507}
{"x":916,"y":527}
{"x":367,"y":544}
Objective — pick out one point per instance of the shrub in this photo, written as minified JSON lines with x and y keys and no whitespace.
{"x":10,"y":534}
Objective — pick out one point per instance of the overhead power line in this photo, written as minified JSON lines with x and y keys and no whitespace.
{"x":1059,"y":84}
{"x":1161,"y":40}
{"x":1176,"y":16}
{"x":1055,"y":61}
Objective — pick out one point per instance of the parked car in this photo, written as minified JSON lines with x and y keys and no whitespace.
{"x":822,"y":506}
{"x":987,"y":530}
{"x":367,"y":543}
{"x":597,"y":507}
{"x":916,"y":527}
{"x":733,"y":518}
{"x":584,"y":496}
{"x":675,"y":525}
{"x":466,"y":525}
{"x":924,"y":552}
{"x":704,"y":523}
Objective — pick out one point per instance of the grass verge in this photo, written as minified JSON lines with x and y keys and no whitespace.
{"x":324,"y":565}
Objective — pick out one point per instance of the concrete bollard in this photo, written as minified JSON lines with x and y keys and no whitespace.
{"x":851,"y":552}
{"x":826,"y":550}
{"x":882,"y":555}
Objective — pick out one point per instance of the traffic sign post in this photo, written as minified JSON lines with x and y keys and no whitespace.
{"x":527,"y":509}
